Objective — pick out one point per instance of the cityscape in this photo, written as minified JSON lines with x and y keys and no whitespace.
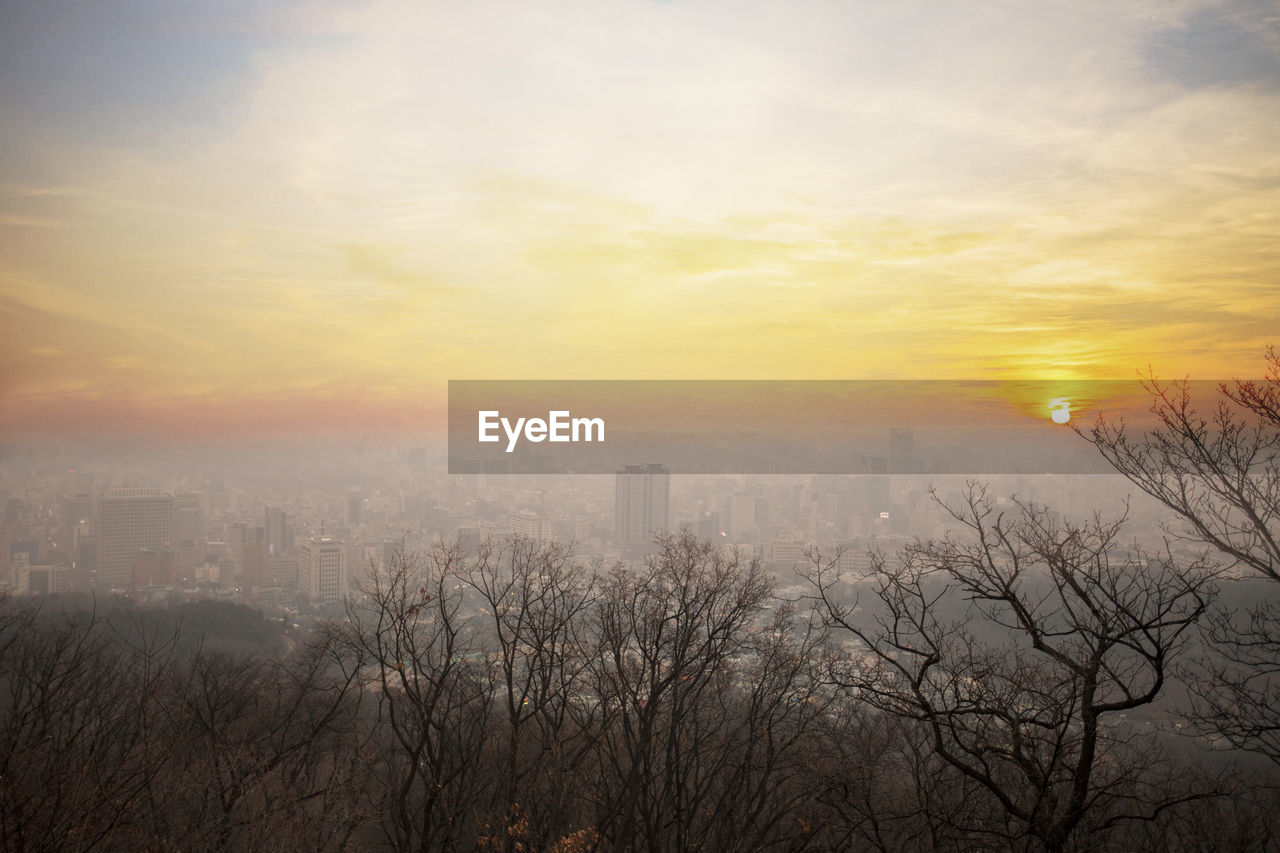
{"x":641,"y":426}
{"x":241,"y":537}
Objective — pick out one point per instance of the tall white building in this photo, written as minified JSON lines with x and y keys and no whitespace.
{"x":641,"y":508}
{"x":322,"y":569}
{"x":129,"y":520}
{"x":526,"y":522}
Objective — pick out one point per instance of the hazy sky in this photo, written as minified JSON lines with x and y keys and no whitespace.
{"x":245,"y":216}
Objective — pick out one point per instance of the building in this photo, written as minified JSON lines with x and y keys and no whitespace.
{"x":86,"y":561}
{"x":322,"y":569}
{"x":281,"y":572}
{"x":469,"y":540}
{"x":526,"y":522}
{"x":253,"y":564}
{"x":279,"y":529}
{"x":130,"y":520}
{"x":742,"y":516}
{"x":709,"y":529}
{"x":188,"y":517}
{"x":154,"y":567}
{"x":39,"y":580}
{"x":188,"y":555}
{"x":789,"y":553}
{"x":641,"y":508}
{"x":75,"y":519}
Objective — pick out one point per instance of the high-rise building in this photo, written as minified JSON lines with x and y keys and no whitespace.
{"x":641,"y":508}
{"x":76,"y":514}
{"x":188,"y":555}
{"x":242,"y":533}
{"x":279,"y":532}
{"x":129,"y":520}
{"x":709,"y":526}
{"x":322,"y":569}
{"x":526,"y":522}
{"x":86,"y":561}
{"x":253,"y":564}
{"x":744,"y":517}
{"x":281,"y":572}
{"x":188,"y":517}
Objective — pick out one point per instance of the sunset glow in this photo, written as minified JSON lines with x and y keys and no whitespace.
{"x":224,"y":220}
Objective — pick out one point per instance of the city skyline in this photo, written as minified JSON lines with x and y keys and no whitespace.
{"x":643,"y":425}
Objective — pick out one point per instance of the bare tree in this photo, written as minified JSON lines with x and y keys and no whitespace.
{"x":1010,"y":647}
{"x":1219,"y":474}
{"x":80,"y":726}
{"x":268,"y":749}
{"x":878,"y":785}
{"x":665,"y":638}
{"x":758,"y":769}
{"x":535,"y":599}
{"x":434,"y":692}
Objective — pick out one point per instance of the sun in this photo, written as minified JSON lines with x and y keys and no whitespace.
{"x":1060,"y":410}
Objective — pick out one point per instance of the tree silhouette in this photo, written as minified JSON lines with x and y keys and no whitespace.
{"x":1010,"y":646}
{"x":1219,"y":474}
{"x":434,"y":694}
{"x":535,"y":599}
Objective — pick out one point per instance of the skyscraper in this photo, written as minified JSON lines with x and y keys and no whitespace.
{"x":188,"y":517}
{"x":75,"y":511}
{"x":322,"y":569}
{"x":253,"y":562}
{"x":279,"y":532}
{"x":641,"y":506}
{"x":129,"y":520}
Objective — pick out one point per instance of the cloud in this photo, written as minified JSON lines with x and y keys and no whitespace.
{"x":388,"y":194}
{"x":1236,"y":43}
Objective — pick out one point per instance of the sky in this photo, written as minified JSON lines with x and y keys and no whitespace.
{"x":241,"y":218}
